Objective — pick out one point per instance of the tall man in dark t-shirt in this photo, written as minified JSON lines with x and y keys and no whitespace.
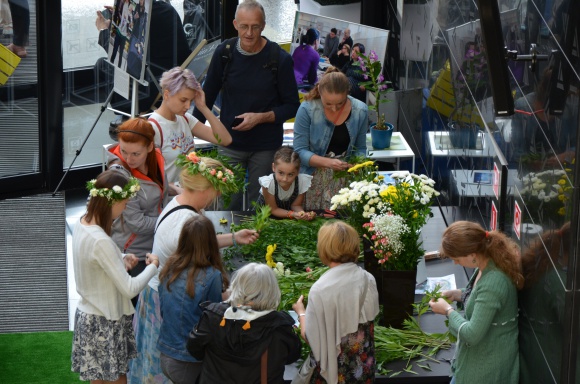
{"x":262,"y":98}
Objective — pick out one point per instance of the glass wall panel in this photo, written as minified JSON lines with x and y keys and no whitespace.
{"x":463,"y":143}
{"x":19,"y":125}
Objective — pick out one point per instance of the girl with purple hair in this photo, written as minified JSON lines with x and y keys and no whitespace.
{"x":175,"y":128}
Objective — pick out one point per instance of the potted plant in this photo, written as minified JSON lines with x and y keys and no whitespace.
{"x":372,"y":71}
{"x":381,"y":133}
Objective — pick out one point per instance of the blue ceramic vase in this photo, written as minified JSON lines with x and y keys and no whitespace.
{"x":381,"y":139}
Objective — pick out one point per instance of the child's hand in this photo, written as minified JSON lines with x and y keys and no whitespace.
{"x":308,"y":216}
{"x":305,"y":215}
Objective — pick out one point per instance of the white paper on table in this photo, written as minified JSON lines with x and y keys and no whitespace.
{"x":445,"y":282}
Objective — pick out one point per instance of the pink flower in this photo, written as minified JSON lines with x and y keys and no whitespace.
{"x":224,"y":179}
{"x":308,"y":269}
{"x":212,"y":172}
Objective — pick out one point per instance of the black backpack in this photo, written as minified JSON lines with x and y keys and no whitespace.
{"x":227,"y":59}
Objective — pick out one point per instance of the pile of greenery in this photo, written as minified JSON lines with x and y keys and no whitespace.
{"x":411,"y":342}
{"x":295,"y":242}
{"x":406,"y":344}
{"x":294,"y":285}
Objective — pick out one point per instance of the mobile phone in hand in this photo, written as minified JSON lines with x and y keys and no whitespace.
{"x":106,"y":13}
{"x":237,"y":121}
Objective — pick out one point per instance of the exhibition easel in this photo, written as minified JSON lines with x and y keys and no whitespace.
{"x":134,"y":104}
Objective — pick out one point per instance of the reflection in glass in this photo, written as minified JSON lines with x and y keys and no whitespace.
{"x":19,"y":140}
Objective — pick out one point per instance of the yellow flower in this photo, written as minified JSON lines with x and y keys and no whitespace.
{"x":269,"y":251}
{"x":361,"y":165}
{"x":562,"y":211}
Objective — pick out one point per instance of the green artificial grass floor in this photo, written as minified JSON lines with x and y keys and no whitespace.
{"x":35,"y":358}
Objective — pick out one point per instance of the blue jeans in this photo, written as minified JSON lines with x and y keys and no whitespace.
{"x":257,"y":164}
{"x":452,"y":380}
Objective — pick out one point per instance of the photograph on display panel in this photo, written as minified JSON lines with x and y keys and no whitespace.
{"x":323,"y":41}
{"x":129,"y":33}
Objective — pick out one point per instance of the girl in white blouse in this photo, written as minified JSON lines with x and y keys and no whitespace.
{"x":104,"y":341}
{"x":284,"y":189}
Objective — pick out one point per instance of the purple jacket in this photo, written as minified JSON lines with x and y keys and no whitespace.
{"x":305,"y":64}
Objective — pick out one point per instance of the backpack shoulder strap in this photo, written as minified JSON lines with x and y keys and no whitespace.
{"x":184,"y":206}
{"x":159,"y":128}
{"x":274,"y":59}
{"x":227,"y":57}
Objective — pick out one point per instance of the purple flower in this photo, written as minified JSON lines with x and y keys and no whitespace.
{"x":366,"y":77}
{"x":381,"y":78}
{"x":373,"y":56}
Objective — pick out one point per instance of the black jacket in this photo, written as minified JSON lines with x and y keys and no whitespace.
{"x":231,"y":354}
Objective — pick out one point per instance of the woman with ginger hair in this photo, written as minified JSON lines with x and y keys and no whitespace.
{"x":487,"y":333}
{"x":133,"y":231}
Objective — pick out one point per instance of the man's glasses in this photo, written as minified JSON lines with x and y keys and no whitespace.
{"x":244,"y":27}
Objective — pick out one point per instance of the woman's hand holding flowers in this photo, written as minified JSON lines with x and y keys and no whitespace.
{"x":452,"y":294}
{"x":246,"y":236}
{"x":440,"y":306}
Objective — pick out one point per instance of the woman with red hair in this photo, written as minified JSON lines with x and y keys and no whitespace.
{"x":136,"y":153}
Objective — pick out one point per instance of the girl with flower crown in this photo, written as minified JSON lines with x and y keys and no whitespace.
{"x":203,"y":179}
{"x":133,"y":230}
{"x":103,"y":340}
{"x":175,"y":128}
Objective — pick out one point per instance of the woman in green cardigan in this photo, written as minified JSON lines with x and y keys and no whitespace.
{"x":487,"y":334}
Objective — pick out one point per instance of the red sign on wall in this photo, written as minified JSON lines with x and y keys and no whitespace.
{"x":493,"y":222}
{"x":517,"y":219}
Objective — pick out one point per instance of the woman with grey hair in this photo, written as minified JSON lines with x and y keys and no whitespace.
{"x":245,"y":340}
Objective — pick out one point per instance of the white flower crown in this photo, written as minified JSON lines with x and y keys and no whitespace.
{"x":116,"y":193}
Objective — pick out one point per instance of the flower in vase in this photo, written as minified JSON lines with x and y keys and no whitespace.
{"x":385,"y":232}
{"x":358,"y":202}
{"x":409,"y":197}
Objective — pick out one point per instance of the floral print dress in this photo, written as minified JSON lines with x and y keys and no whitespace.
{"x":356,"y":361}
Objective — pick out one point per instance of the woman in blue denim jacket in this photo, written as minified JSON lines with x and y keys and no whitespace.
{"x":193,"y":274}
{"x":330,"y":126}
